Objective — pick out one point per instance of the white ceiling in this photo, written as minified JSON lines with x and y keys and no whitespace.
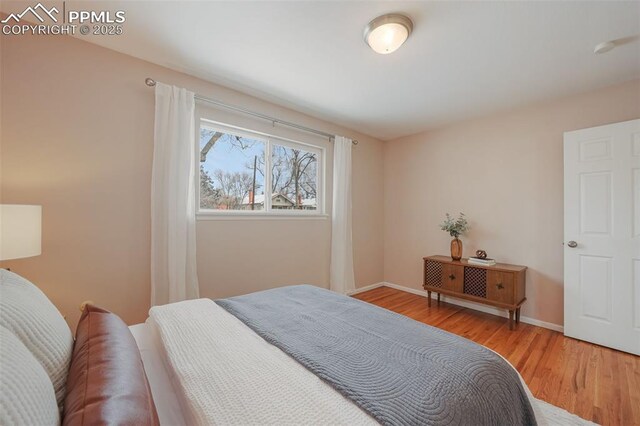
{"x":463,"y":59}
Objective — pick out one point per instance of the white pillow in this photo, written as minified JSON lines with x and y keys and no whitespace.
{"x":26,"y":393}
{"x":34,"y":320}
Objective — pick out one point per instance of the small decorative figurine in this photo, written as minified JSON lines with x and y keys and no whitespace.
{"x":481,"y":254}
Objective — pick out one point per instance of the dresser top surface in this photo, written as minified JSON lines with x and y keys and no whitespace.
{"x":465,"y":262}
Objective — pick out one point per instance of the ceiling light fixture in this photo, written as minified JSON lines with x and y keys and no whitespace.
{"x":387,"y":33}
{"x":604,"y":47}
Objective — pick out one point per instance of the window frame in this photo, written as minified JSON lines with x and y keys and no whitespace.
{"x":269,"y":140}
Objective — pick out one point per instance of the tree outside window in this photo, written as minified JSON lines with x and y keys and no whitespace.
{"x":234,"y":169}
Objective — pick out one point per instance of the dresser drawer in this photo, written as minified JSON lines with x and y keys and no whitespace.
{"x":452,"y":277}
{"x":500,"y":287}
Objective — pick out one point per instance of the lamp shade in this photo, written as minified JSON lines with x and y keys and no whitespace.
{"x":20,"y":231}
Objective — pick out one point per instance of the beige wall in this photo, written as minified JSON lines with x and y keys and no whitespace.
{"x":77,"y":137}
{"x":506,"y":173}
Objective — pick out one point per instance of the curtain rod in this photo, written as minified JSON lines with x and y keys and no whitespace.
{"x":151,"y":82}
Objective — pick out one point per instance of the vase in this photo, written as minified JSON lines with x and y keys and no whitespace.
{"x":456,"y":249}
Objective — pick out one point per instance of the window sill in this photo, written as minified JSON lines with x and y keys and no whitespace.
{"x":261,"y":216}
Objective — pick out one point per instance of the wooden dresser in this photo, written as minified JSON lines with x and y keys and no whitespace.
{"x":501,"y":285}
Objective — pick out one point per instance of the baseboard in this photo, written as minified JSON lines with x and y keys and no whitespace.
{"x":366,"y":288}
{"x":463,"y":303}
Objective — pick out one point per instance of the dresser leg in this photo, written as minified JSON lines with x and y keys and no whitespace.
{"x":510,"y":320}
{"x":438,"y":299}
{"x":428,"y":298}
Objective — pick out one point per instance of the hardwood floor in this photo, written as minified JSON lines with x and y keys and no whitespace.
{"x":596,"y":383}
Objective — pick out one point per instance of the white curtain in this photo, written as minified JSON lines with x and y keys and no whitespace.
{"x":173,"y":234}
{"x":341,"y":276}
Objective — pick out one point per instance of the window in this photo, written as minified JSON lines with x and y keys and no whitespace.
{"x":247,"y":172}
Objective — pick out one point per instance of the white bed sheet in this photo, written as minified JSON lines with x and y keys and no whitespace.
{"x":163,"y":390}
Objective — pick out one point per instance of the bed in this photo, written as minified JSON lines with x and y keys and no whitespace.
{"x":229,"y":363}
{"x":292,"y":355}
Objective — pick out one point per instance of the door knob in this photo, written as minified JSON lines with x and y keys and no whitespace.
{"x":572,"y":244}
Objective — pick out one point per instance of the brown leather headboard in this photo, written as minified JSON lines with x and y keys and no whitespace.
{"x":107,"y":383}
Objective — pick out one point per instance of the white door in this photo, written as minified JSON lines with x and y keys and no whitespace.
{"x":602,"y":235}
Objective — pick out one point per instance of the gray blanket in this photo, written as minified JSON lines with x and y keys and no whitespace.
{"x":400,"y":371}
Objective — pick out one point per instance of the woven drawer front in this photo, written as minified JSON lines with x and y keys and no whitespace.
{"x":433,"y":274}
{"x":475,"y":281}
